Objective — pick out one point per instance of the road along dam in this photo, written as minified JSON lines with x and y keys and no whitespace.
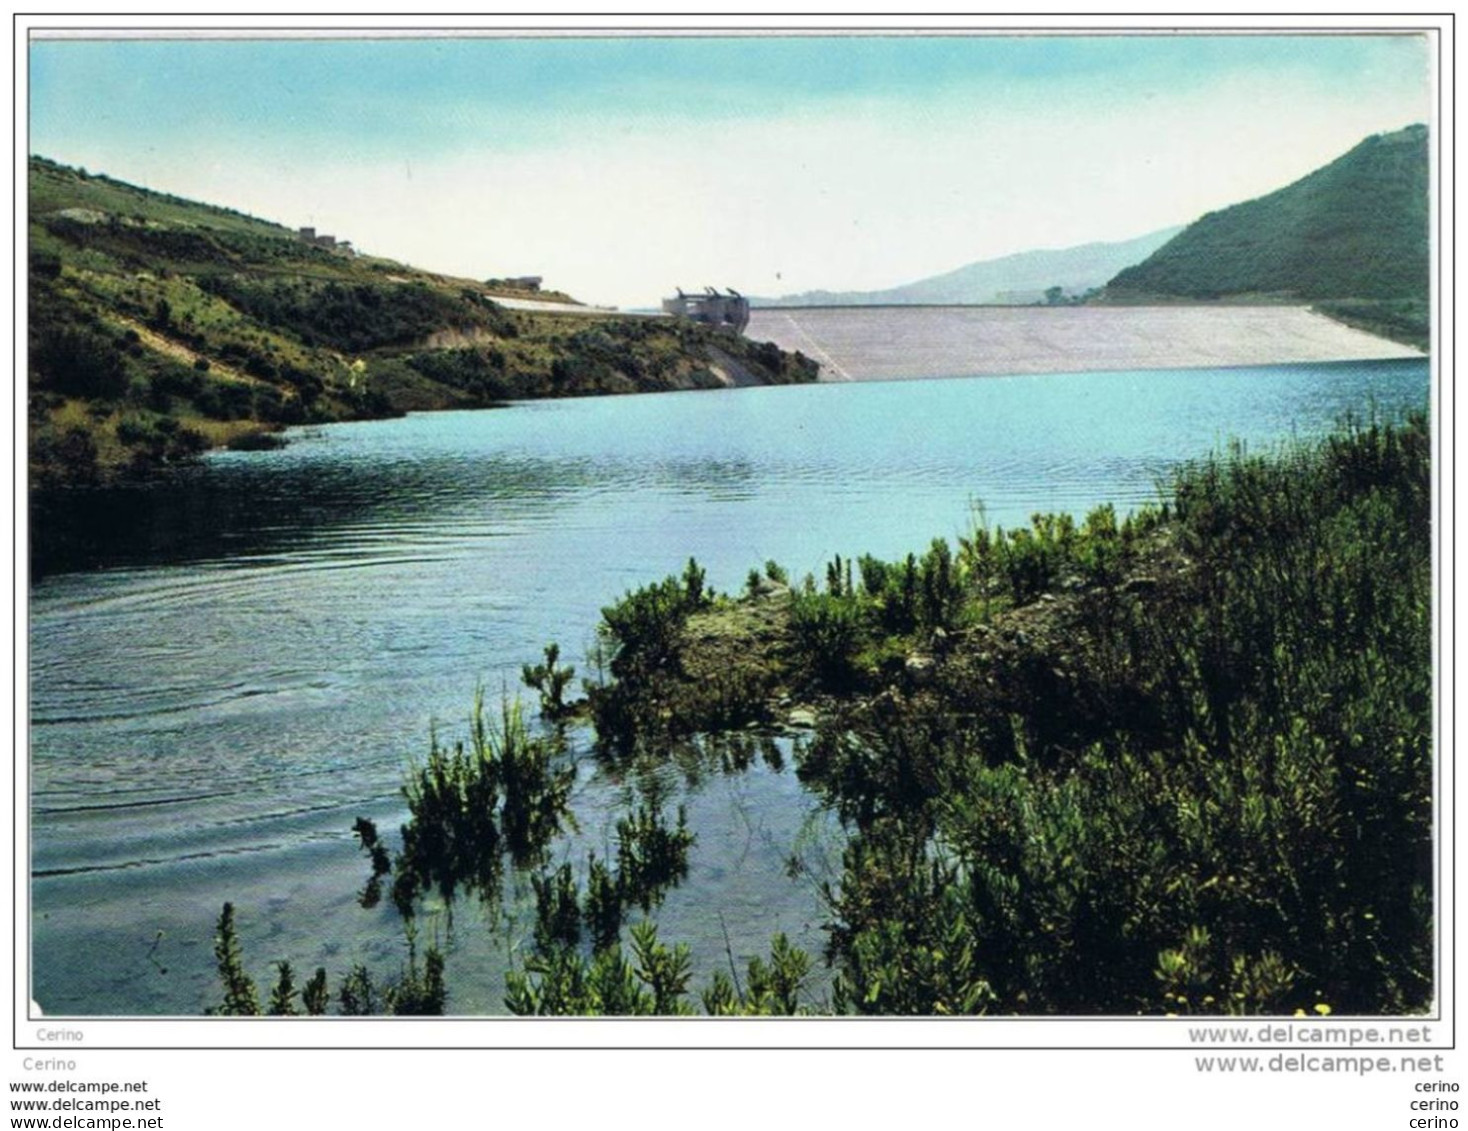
{"x":878,"y":343}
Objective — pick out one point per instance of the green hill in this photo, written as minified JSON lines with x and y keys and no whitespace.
{"x":1351,"y":237}
{"x":161,"y":327}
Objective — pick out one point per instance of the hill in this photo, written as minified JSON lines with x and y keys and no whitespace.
{"x":160,"y":327}
{"x":1011,"y":280}
{"x":1351,"y":237}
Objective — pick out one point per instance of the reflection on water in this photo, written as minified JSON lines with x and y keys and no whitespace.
{"x":226,"y":671}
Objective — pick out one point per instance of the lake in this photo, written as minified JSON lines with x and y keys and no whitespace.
{"x":227,"y":670}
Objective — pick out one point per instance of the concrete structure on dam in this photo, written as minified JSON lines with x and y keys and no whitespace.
{"x":729,"y":311}
{"x":894,"y":342}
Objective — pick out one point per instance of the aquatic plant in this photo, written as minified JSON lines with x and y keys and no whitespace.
{"x":416,"y":991}
{"x":651,"y":857}
{"x":240,"y":996}
{"x":557,"y":909}
{"x":315,"y":997}
{"x":654,"y":982}
{"x":503,"y":795}
{"x":771,"y":988}
{"x":664,"y":970}
{"x":562,"y":982}
{"x":283,"y":993}
{"x":419,"y":992}
{"x":549,"y":680}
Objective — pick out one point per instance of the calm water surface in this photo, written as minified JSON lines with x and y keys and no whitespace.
{"x":227,"y":671}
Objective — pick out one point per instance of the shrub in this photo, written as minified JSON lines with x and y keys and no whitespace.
{"x":826,"y":633}
{"x":256,"y":441}
{"x":240,"y":996}
{"x":940,"y":593}
{"x":549,"y":680}
{"x":470,"y":807}
{"x":643,"y":635}
{"x":642,"y":629}
{"x":654,"y":983}
{"x":650,"y":856}
{"x":1252,"y":834}
{"x":79,"y":363}
{"x":417,"y":991}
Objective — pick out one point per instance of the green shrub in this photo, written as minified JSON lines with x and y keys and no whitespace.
{"x":470,"y":807}
{"x":651,"y":857}
{"x":826,"y":633}
{"x":940,"y":592}
{"x":1248,"y":830}
{"x":642,"y":629}
{"x":417,"y":991}
{"x":79,"y":363}
{"x":654,"y":983}
{"x":549,"y":680}
{"x":557,"y":910}
{"x":240,"y":996}
{"x":642,"y":634}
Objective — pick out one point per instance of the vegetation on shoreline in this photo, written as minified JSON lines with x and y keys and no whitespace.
{"x":1175,"y":763}
{"x":506,"y":794}
{"x":1180,"y":763}
{"x":1402,"y":320}
{"x":418,"y":990}
{"x":160,"y":327}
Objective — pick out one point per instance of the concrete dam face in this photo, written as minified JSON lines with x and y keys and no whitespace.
{"x":895,"y":342}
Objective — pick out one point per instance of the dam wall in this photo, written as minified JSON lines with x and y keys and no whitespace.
{"x":896,"y":342}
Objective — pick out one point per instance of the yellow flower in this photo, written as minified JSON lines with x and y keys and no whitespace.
{"x":1323,"y":1009}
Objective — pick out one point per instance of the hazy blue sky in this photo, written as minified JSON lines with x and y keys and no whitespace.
{"x":619,"y":168}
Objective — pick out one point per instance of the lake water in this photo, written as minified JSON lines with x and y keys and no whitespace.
{"x":225,"y":672}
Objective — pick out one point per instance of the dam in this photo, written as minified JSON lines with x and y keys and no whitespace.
{"x":878,"y":343}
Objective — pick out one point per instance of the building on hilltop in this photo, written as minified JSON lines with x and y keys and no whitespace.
{"x":328,"y":243}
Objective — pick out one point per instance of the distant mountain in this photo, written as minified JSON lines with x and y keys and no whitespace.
{"x":1012,"y":279}
{"x":1351,"y":237}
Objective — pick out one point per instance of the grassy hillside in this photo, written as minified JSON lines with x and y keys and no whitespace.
{"x":160,"y":327}
{"x":1351,"y":237}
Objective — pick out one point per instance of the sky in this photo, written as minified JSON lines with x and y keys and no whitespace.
{"x":620,"y":168}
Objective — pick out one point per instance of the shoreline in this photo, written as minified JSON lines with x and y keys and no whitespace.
{"x":252,"y":436}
